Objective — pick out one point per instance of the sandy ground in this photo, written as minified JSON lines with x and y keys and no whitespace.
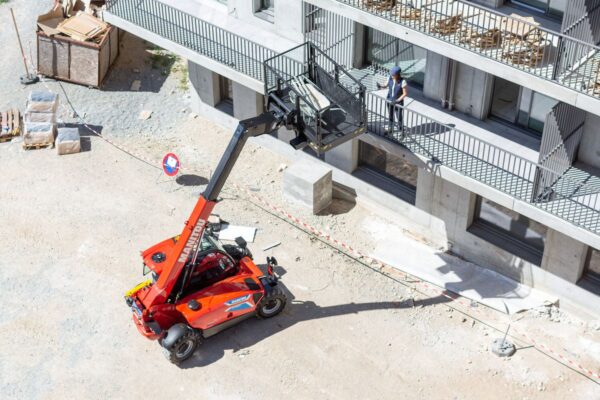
{"x":72,"y":228}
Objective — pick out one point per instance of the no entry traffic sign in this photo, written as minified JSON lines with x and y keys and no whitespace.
{"x":171,"y":164}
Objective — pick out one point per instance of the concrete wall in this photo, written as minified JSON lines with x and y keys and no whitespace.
{"x":564,"y":256}
{"x":472,"y":87}
{"x":288,"y":21}
{"x":345,"y":156}
{"x":589,"y":149}
{"x":204,"y":84}
{"x":455,"y":206}
{"x":246,"y":102}
{"x":473,"y":91}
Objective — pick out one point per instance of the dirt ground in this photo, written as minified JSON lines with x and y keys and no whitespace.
{"x":72,"y":228}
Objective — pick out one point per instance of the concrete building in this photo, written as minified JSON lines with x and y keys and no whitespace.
{"x":499,"y":160}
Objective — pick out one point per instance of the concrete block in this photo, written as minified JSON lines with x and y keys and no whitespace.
{"x":563,"y":256}
{"x":309,"y":184}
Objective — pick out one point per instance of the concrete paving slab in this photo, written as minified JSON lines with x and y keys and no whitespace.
{"x":449,"y":272}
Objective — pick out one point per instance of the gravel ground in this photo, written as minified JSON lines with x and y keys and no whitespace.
{"x":73,"y":226}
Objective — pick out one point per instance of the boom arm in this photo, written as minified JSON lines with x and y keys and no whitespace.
{"x":195,"y":225}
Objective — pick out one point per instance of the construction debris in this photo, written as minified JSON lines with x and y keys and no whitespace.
{"x":145,"y":114}
{"x":272,"y":245}
{"x":82,"y":27}
{"x":136,"y":85}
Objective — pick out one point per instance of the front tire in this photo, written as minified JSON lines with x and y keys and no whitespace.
{"x":272,"y":304}
{"x":182,"y":348}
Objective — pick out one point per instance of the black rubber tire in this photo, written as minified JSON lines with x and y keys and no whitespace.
{"x":183,"y":348}
{"x":272,"y":304}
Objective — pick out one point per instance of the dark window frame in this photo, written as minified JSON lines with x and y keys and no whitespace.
{"x":502,"y":238}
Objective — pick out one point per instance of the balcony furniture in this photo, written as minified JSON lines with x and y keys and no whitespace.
{"x":491,"y":38}
{"x":380,"y":5}
{"x":446,"y":26}
{"x":597,"y":82}
{"x":407,"y":12}
{"x":528,"y":51}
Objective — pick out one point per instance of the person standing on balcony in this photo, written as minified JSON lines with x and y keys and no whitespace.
{"x":397,"y":92}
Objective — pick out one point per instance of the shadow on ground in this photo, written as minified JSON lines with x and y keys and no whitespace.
{"x":254,"y":330}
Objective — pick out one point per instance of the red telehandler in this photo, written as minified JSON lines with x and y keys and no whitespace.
{"x":199,"y":286}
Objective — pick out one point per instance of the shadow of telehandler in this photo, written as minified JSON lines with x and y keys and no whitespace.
{"x":254,"y":330}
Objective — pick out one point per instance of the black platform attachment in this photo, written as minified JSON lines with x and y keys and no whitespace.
{"x":328,"y":103}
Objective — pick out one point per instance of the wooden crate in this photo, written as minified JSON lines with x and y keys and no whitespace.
{"x":86,"y":63}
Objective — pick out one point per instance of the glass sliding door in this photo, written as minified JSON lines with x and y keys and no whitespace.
{"x":505,"y":100}
{"x":554,"y":8}
{"x":386,"y":51}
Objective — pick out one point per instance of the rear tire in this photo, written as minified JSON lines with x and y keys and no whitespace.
{"x":183,"y":348}
{"x":272,"y":304}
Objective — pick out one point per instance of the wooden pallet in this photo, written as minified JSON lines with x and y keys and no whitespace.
{"x":10,"y":124}
{"x":37,"y":146}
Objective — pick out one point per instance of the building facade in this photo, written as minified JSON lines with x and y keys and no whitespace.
{"x":499,"y":158}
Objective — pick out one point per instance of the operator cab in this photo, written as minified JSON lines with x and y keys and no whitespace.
{"x":213,"y":263}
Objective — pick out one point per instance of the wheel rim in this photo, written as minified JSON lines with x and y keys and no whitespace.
{"x":271,"y":307}
{"x":184,"y":349}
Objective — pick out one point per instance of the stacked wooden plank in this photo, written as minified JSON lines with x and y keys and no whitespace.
{"x":40,"y":119}
{"x":10,"y":124}
{"x":82,"y":27}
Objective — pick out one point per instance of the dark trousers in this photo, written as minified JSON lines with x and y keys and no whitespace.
{"x":395,"y":113}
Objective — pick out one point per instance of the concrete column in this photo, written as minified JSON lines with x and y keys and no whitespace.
{"x":205,"y":84}
{"x":473,"y":91}
{"x":246,"y":102}
{"x":358,"y":45}
{"x":563,"y":256}
{"x":589,"y":150}
{"x":345,"y":156}
{"x":436,"y":74}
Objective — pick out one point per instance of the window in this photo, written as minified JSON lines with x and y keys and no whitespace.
{"x":521,"y":106}
{"x":265,"y":9}
{"x":226,"y":91}
{"x":389,"y":172}
{"x":591,"y":275}
{"x":509,"y":230}
{"x":555,"y":8}
{"x":386,"y":51}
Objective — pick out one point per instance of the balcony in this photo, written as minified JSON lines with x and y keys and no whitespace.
{"x":573,"y":196}
{"x":514,"y":42}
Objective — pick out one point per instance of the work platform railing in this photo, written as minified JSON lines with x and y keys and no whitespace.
{"x":512,"y":41}
{"x":573,"y":196}
{"x":310,"y":82}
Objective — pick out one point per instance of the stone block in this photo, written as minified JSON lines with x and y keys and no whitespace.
{"x":308,"y":184}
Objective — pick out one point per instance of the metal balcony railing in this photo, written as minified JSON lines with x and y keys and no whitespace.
{"x":204,"y":38}
{"x":508,"y":40}
{"x":573,"y":196}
